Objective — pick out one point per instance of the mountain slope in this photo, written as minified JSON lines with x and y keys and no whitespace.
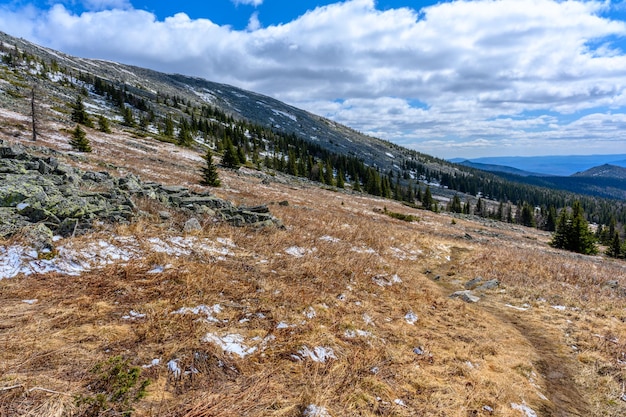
{"x":496,"y":168}
{"x":346,"y":311}
{"x":604,"y":171}
{"x":553,"y":165}
{"x":204,"y":114}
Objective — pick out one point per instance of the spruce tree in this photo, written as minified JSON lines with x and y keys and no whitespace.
{"x":79,"y":141}
{"x":103,"y":124}
{"x":210,"y":176}
{"x":572,"y":232}
{"x":230,"y":159}
{"x":455,"y":206}
{"x":340,"y":179}
{"x":79,"y":114}
{"x":615,"y":248}
{"x":427,"y":199}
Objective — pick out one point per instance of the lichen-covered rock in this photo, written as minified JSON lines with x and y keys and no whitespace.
{"x":60,"y":198}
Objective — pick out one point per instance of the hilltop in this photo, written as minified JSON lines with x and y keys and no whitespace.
{"x":342,"y":303}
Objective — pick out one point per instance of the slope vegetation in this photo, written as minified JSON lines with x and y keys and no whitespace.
{"x":345,"y":311}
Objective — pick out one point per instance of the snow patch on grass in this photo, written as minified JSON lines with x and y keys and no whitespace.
{"x":317,"y":354}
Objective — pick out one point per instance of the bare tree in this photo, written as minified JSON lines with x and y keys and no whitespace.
{"x":33,"y":110}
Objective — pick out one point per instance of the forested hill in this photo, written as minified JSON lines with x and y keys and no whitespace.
{"x":263,"y":133}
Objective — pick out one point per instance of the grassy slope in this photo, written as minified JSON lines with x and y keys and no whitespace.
{"x":475,"y":357}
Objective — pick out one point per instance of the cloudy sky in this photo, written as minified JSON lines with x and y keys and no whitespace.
{"x":452,"y":79}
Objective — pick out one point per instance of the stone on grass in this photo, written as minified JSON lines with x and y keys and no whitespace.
{"x":466,"y":296}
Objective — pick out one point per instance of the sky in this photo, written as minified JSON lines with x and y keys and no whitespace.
{"x":448,"y":78}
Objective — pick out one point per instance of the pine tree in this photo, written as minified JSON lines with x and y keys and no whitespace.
{"x":427,"y":199}
{"x":340,"y":179}
{"x":79,"y":140}
{"x":551,"y":220}
{"x":210,"y":175}
{"x":129,"y":118}
{"x":615,"y":248}
{"x":560,"y":236}
{"x":230,"y":159}
{"x":184,"y":133}
{"x":103,"y":124}
{"x":572,"y":232}
{"x":79,"y":114}
{"x":455,"y":206}
{"x":527,"y":216}
{"x":168,"y":126}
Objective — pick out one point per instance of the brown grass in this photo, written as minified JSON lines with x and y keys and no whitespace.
{"x":472,"y":356}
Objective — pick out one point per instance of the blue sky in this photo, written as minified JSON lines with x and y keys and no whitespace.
{"x":452,"y":79}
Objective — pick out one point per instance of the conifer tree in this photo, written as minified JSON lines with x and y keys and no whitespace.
{"x":455,"y":205}
{"x":168,"y":126}
{"x":129,"y":119}
{"x":615,"y":248}
{"x":427,"y":199}
{"x":230,"y":159}
{"x":210,"y":176}
{"x":79,"y":114}
{"x":572,"y":232}
{"x":340,"y":179}
{"x":103,"y":124}
{"x":79,"y":140}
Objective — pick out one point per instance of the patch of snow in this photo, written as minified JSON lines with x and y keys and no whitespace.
{"x":410,"y":317}
{"x":523,"y":308}
{"x":313,"y":410}
{"x":351,"y":334}
{"x":310,"y":313}
{"x":202,"y":309}
{"x":173,"y":367}
{"x":283,"y":325}
{"x":298,"y":251}
{"x":154,"y":362}
{"x":285,"y":114}
{"x":226,"y":242}
{"x":330,"y":239}
{"x":363,"y":249}
{"x":559,"y":308}
{"x":390,"y":155}
{"x":157,"y":269}
{"x":231,"y":343}
{"x":383,"y":281}
{"x":368,"y":320}
{"x":318,"y":354}
{"x":31,"y":302}
{"x":528,"y":412}
{"x":399,"y":402}
{"x":132,"y":315}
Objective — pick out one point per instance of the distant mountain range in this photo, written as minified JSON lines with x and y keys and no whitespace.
{"x":542,"y":165}
{"x":607,"y":180}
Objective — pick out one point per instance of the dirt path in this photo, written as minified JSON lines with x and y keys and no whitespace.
{"x":554,"y":363}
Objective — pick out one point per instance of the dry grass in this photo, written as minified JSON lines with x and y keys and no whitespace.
{"x":360,"y":272}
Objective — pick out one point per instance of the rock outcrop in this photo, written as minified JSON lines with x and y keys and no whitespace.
{"x":43,"y":197}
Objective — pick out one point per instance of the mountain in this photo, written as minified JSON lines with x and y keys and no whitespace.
{"x":130,"y":288}
{"x":496,"y":168}
{"x":552,"y":165}
{"x":268,"y":134}
{"x":604,"y":171}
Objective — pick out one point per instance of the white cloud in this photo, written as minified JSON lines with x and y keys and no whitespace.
{"x":254,"y":23}
{"x":254,"y":3}
{"x":106,"y":4}
{"x":476,"y":67}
